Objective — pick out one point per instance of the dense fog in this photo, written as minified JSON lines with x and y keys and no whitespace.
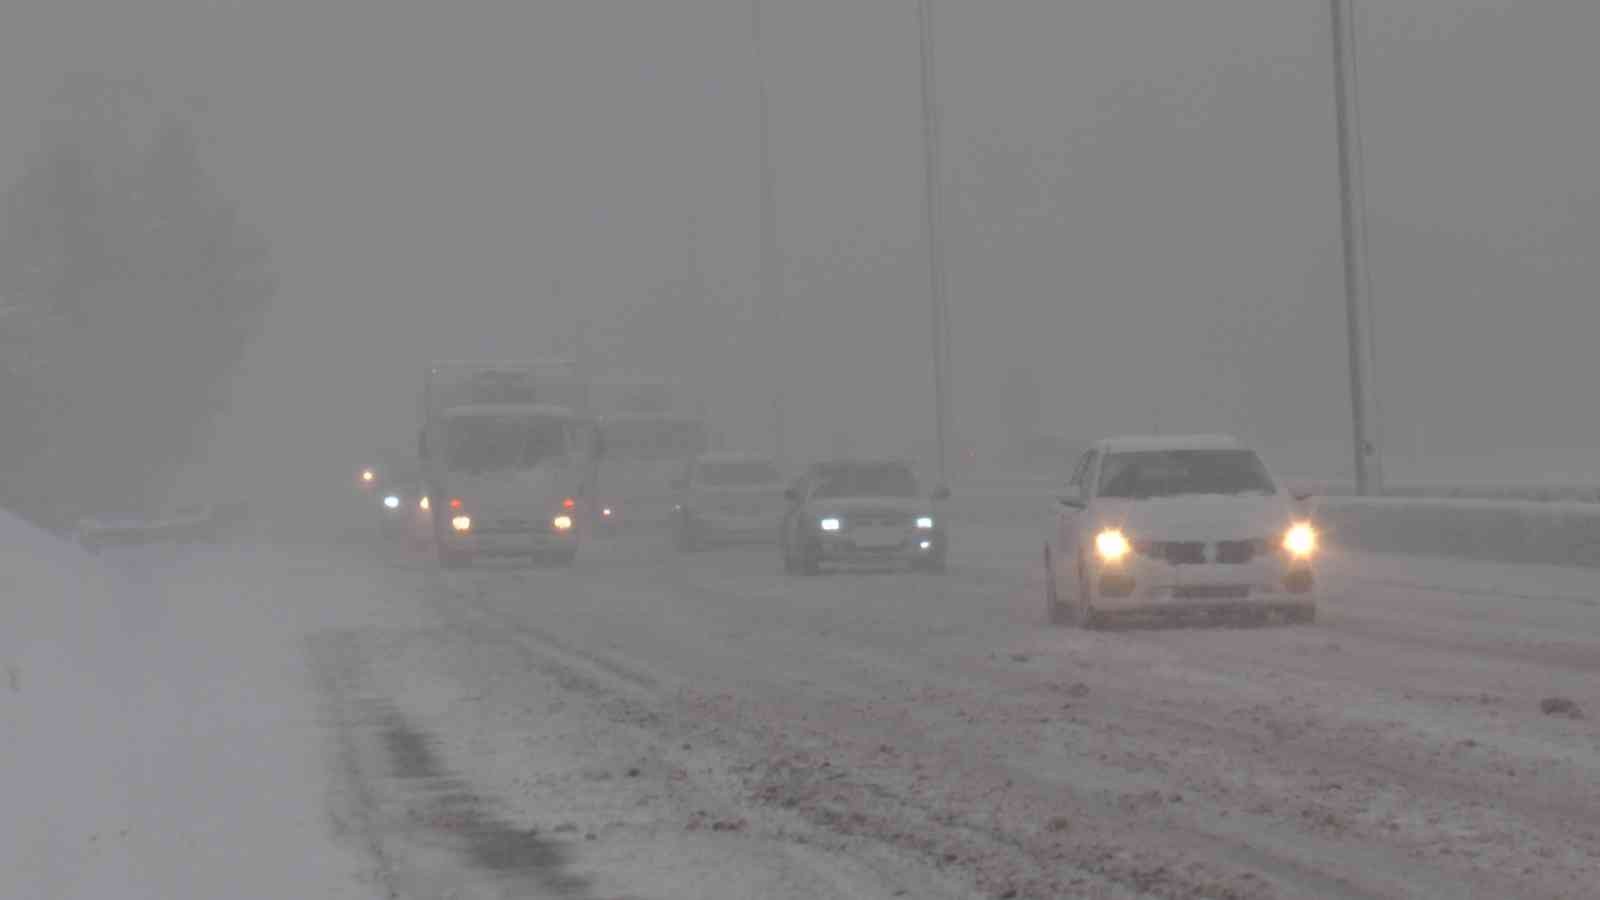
{"x":1139,"y":205}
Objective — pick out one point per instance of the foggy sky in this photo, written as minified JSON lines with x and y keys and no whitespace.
{"x":1140,"y":203}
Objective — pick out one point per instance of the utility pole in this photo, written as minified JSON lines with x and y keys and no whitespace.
{"x":769,"y":278}
{"x":936,"y":282}
{"x":1368,"y":468}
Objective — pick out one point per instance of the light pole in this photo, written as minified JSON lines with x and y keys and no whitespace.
{"x":1368,"y":468}
{"x":768,"y":276}
{"x":936,"y":282}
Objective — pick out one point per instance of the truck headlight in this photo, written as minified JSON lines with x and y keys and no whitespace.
{"x":1300,"y":540}
{"x":829,"y":524}
{"x":925,"y":522}
{"x":1112,"y":545}
{"x":461,"y":523}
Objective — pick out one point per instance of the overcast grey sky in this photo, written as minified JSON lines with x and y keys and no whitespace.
{"x":1140,"y":198}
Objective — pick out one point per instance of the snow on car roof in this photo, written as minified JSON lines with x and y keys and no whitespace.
{"x":1136,"y":443}
{"x":508,"y":410}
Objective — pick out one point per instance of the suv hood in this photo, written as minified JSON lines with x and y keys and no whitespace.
{"x":1199,"y":517}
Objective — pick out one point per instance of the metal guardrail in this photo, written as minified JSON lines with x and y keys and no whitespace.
{"x":1517,"y":524}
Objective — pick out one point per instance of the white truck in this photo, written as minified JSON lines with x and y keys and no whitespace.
{"x":505,"y":461}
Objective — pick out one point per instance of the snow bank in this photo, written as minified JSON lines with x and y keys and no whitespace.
{"x":159,"y":734}
{"x":64,"y":716}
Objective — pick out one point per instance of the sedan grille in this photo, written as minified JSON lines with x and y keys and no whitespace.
{"x":1237,"y":553}
{"x":1177,"y":553}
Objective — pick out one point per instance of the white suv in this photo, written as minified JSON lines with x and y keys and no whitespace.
{"x":1178,"y":526}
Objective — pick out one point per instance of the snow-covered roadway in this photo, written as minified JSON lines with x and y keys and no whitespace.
{"x":665,"y":725}
{"x":343,"y":720}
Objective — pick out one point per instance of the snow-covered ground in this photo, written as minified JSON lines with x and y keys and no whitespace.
{"x":346,"y":721}
{"x":161,"y":733}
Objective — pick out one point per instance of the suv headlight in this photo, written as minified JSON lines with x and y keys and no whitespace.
{"x":830,"y":523}
{"x":462,"y":524}
{"x":925,"y":522}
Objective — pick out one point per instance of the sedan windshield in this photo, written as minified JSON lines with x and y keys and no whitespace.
{"x":738,"y":474}
{"x":866,"y":480}
{"x":1171,"y":473}
{"x":483,"y":444}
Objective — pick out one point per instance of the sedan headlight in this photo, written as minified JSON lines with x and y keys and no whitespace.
{"x":461,"y":523}
{"x":391,"y":502}
{"x":1300,"y":540}
{"x":562,"y":522}
{"x":1112,"y":545}
{"x":830,"y":524}
{"x":925,"y":522}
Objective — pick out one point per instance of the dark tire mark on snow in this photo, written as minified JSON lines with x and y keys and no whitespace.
{"x":465,"y":818}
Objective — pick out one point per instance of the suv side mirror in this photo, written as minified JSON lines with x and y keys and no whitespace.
{"x":941,"y":493}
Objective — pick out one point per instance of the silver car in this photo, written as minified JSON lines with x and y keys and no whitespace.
{"x":854,"y":511}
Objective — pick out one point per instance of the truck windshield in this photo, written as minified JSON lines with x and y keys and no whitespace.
{"x":484,"y":444}
{"x":738,"y":474}
{"x":654,"y":439}
{"x":1171,"y":473}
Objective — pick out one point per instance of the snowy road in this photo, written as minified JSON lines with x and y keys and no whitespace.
{"x":650,"y":725}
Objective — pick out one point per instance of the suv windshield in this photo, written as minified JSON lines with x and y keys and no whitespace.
{"x":497,"y":444}
{"x":866,"y":480}
{"x":1170,"y":473}
{"x":736,"y":474}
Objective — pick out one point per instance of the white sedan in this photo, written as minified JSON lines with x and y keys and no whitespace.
{"x":1178,"y":526}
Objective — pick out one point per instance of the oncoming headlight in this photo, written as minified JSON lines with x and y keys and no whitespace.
{"x":1300,"y":540}
{"x":461,"y":523}
{"x":829,"y":524}
{"x":391,"y":502}
{"x":925,"y":522}
{"x":562,"y":523}
{"x":1112,"y":545}
{"x":424,"y":505}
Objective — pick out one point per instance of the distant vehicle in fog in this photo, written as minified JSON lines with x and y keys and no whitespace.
{"x":1178,"y":526}
{"x":862,"y":511}
{"x":503,"y":470}
{"x":650,"y":434}
{"x":726,"y":498}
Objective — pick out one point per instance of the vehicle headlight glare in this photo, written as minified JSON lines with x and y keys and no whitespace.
{"x":424,"y":504}
{"x":461,"y":523}
{"x":1112,"y":545}
{"x":562,"y":523}
{"x":925,"y":522}
{"x":1301,"y":540}
{"x":829,"y":524}
{"x":391,"y":502}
